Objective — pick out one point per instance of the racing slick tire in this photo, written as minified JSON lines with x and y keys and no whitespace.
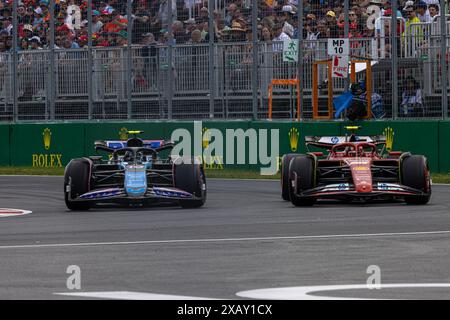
{"x":415,"y":174}
{"x":285,"y":175}
{"x":301,"y":173}
{"x":190,"y":177}
{"x":78,"y":172}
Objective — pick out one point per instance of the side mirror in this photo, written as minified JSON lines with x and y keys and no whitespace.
{"x":394,"y":154}
{"x":318,"y":154}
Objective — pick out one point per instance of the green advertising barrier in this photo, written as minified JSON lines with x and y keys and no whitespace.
{"x":292,"y":134}
{"x":418,"y":137}
{"x":53,"y":145}
{"x":46,"y":145}
{"x":215,"y":157}
{"x":444,"y":146}
{"x":5,"y":154}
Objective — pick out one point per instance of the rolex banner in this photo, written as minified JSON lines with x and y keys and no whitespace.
{"x":248,"y":145}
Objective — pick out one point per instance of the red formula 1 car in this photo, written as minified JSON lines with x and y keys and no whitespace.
{"x":355,"y":168}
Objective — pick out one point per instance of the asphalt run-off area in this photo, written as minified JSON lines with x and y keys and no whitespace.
{"x":244,"y":243}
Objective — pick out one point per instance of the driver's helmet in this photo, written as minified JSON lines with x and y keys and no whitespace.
{"x":128,"y":157}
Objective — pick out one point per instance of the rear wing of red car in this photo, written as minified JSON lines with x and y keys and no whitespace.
{"x":327,"y":142}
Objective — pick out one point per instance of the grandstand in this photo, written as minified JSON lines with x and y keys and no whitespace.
{"x":194,"y":59}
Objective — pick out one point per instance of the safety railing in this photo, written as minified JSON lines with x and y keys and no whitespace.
{"x":46,"y":80}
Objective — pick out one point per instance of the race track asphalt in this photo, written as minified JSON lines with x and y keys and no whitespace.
{"x":245,"y":238}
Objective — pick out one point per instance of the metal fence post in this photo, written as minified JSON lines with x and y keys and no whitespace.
{"x":394,"y":65}
{"x":14,"y":63}
{"x":255,"y":59}
{"x":89,"y":62}
{"x":300,"y":53}
{"x":52,"y":87}
{"x":129,"y":58}
{"x":443,"y":60}
{"x":211,"y":59}
{"x":346,"y":32}
{"x":170,"y":60}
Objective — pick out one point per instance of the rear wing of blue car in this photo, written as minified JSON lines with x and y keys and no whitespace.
{"x":114,"y":146}
{"x":118,"y":144}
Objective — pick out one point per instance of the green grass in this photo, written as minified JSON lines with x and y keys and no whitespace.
{"x":226,"y":174}
{"x":32,"y":171}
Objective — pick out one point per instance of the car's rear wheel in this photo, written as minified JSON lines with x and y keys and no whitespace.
{"x":301,"y":178}
{"x":416,"y":174}
{"x":285,"y":175}
{"x":77,"y":182}
{"x":190,"y":177}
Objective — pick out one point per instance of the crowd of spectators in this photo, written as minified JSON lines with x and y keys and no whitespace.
{"x":277,"y":20}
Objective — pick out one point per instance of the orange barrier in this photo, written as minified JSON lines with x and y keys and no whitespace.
{"x":289,"y":82}
{"x":315,"y":92}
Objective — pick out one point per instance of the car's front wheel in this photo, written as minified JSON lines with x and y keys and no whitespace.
{"x":301,"y":178}
{"x":77,"y":182}
{"x":285,"y":161}
{"x":191,"y":178}
{"x":416,"y":174}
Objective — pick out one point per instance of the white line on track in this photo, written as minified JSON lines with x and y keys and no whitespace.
{"x":308,"y":293}
{"x":221,"y":240}
{"x":129,"y":295}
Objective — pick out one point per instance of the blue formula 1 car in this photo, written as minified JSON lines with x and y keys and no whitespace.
{"x":136,"y":174}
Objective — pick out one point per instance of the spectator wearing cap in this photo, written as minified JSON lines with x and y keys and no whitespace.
{"x":236,"y":32}
{"x":83,"y":41}
{"x":38,"y":18}
{"x":332,"y":24}
{"x":288,"y":12}
{"x":122,"y":38}
{"x":27,"y":31}
{"x":148,"y":39}
{"x":422,"y":12}
{"x":97,"y":23}
{"x":35,"y":42}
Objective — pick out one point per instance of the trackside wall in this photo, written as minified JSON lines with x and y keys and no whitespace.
{"x":54,"y":144}
{"x":5,"y":155}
